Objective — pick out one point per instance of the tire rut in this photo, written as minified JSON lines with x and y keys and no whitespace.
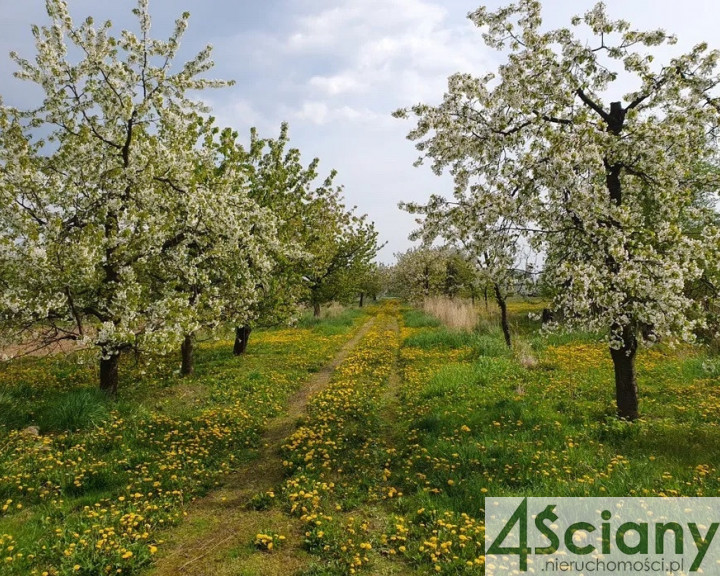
{"x":221,"y":524}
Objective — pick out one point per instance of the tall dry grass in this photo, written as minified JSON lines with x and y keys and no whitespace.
{"x":488,"y":316}
{"x":456,"y":314}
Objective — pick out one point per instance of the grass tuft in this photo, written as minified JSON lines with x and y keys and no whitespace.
{"x":75,"y":410}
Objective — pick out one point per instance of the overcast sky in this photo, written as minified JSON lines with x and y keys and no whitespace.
{"x":335,"y":70}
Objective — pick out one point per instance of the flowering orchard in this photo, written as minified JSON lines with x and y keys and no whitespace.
{"x":132,"y":225}
{"x":130,"y":221}
{"x":604,"y":189}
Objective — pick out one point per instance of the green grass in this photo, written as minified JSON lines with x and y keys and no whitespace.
{"x":75,"y":410}
{"x":546,"y":430}
{"x":442,"y":338}
{"x":166,"y":441}
{"x":414,"y":318}
{"x":392,"y":461}
{"x":540,"y":342}
{"x":482,"y":423}
{"x":478,"y":345}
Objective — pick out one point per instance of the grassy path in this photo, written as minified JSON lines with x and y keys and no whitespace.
{"x":339,"y":460}
{"x":391,"y":437}
{"x":320,"y":491}
{"x":211,"y":538}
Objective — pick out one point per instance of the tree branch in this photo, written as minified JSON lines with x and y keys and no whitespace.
{"x":592,"y":104}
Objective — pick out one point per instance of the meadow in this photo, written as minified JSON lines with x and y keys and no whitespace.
{"x":385,"y":472}
{"x":482,"y":421}
{"x":94,"y":490}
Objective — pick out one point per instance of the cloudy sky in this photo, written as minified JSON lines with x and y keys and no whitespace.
{"x":336,"y":69}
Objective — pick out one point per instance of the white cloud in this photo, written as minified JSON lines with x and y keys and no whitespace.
{"x":240,"y":114}
{"x":319,"y":112}
{"x":337,"y":70}
{"x":350,"y":20}
{"x":337,"y":84}
{"x":387,"y":53}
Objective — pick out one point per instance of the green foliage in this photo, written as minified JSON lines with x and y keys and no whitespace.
{"x":116,"y":227}
{"x":334,"y":246}
{"x":279,"y":182}
{"x":344,"y":256}
{"x":324,"y":251}
{"x":425,"y":272}
{"x":369,"y":280}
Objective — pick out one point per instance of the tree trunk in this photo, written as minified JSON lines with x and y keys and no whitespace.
{"x":242,"y":335}
{"x":487,"y":308}
{"x":547,"y":316}
{"x":624,"y":358}
{"x":503,"y":315}
{"x":136,"y":353}
{"x":626,"y":392}
{"x":188,"y":355}
{"x":109,"y":372}
{"x":362,"y":298}
{"x":316,"y":309}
